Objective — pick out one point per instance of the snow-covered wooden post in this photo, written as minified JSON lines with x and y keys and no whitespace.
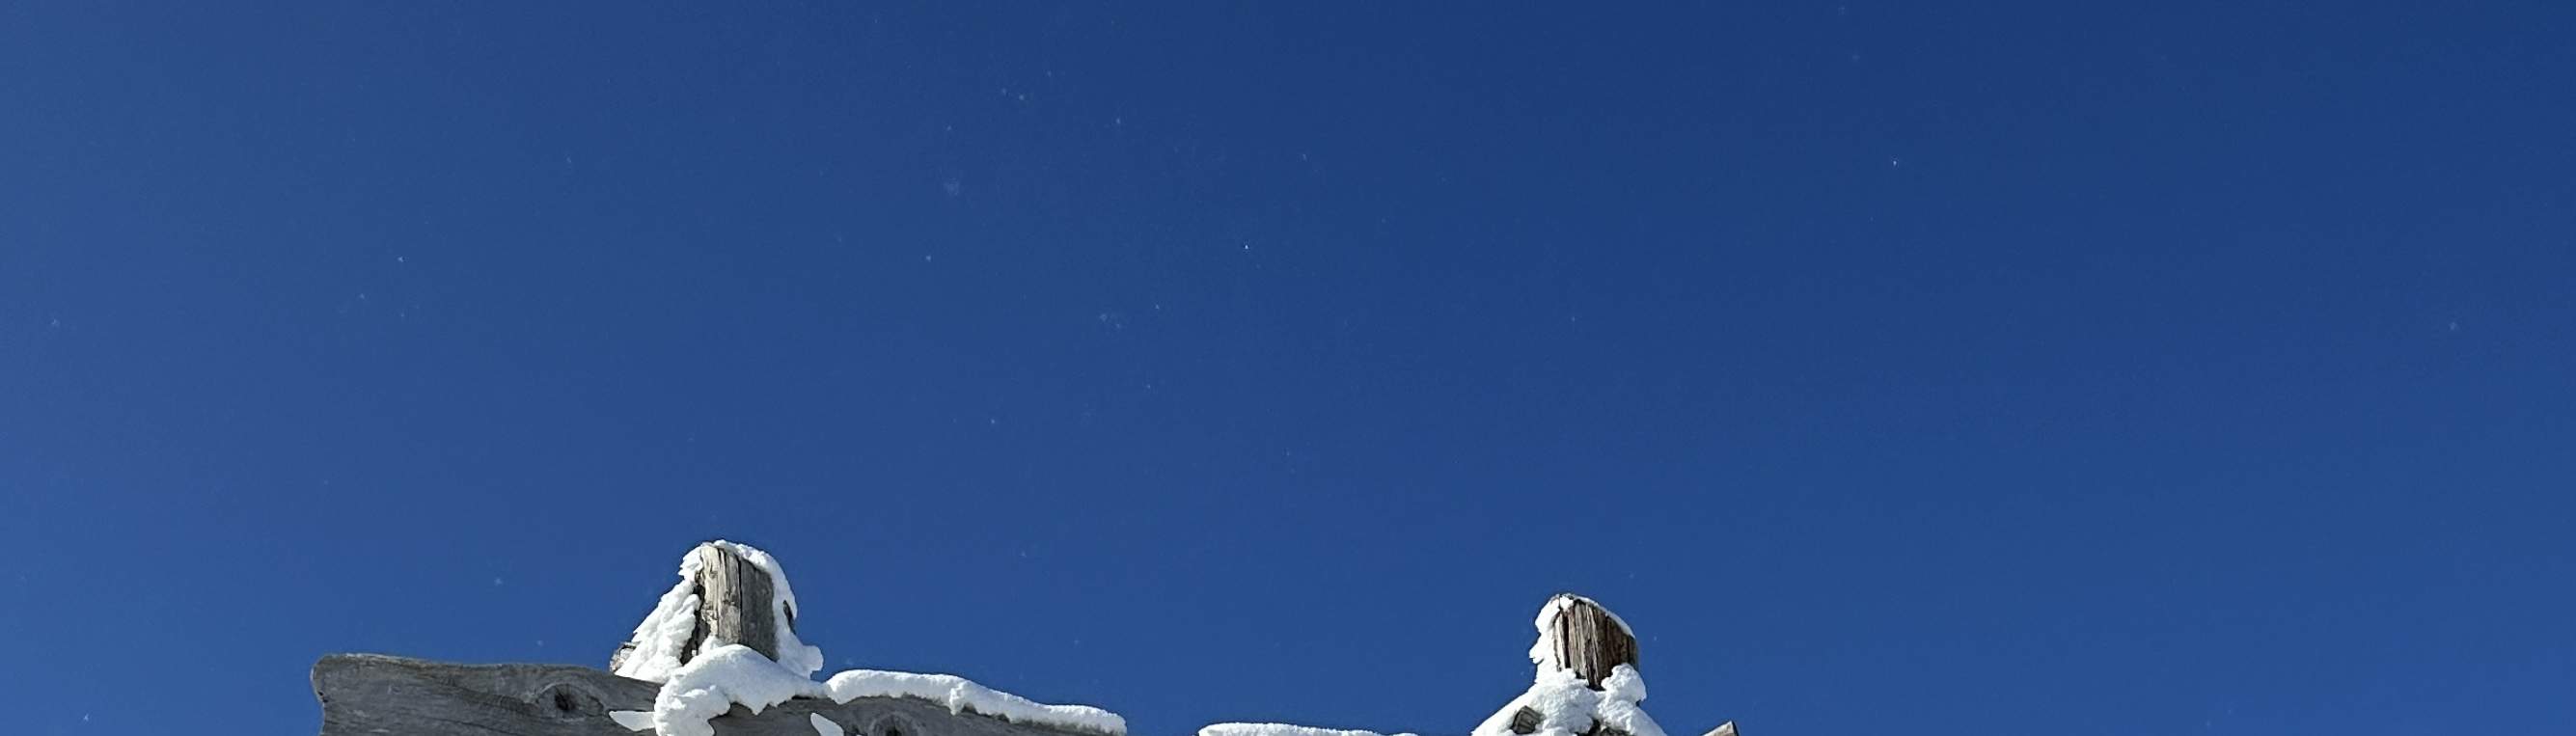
{"x":1587,"y":639}
{"x":1587,"y":682}
{"x":733,"y":607}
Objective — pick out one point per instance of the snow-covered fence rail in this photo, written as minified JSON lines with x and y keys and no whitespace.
{"x":374,"y":695}
{"x":719,"y":656}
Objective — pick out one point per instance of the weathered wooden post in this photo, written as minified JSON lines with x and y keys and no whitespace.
{"x":1588,"y":640}
{"x":1581,"y":645}
{"x":733,"y":606}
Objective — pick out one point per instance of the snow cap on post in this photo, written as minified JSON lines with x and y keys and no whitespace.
{"x":1578,"y":635}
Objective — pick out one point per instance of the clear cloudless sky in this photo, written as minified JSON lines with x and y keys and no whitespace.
{"x":1926,"y":368}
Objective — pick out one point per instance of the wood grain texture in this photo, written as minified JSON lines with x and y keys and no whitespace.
{"x":1590,"y":641}
{"x":733,"y":603}
{"x":378,"y":695}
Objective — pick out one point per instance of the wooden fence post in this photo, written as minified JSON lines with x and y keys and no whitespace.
{"x":733,"y":606}
{"x":1589,"y":640}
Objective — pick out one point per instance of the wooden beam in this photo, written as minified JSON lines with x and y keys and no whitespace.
{"x":1590,"y":640}
{"x":365,"y":694}
{"x":377,"y":695}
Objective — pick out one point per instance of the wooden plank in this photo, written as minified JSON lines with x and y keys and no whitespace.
{"x":377,"y":695}
{"x":1589,"y":640}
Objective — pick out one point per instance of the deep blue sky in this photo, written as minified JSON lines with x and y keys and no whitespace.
{"x":2188,"y":367}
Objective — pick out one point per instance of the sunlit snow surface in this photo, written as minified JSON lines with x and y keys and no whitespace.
{"x":716,"y":681}
{"x":962,"y":695}
{"x":1566,"y":707}
{"x":1281,"y":729}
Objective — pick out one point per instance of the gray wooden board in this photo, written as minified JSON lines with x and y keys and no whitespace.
{"x":378,"y":695}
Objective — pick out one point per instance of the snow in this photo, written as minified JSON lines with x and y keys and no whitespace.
{"x":823,"y":726}
{"x":961,"y":695}
{"x":633,"y":720}
{"x":665,"y":633}
{"x":1280,"y":729}
{"x":1565,"y":705}
{"x":735,"y":674}
{"x":716,"y":681}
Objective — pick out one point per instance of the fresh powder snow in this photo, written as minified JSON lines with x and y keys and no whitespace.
{"x":735,"y":674}
{"x":1281,"y":729}
{"x":961,"y":695}
{"x":1566,"y":707}
{"x":633,"y":720}
{"x":716,"y":681}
